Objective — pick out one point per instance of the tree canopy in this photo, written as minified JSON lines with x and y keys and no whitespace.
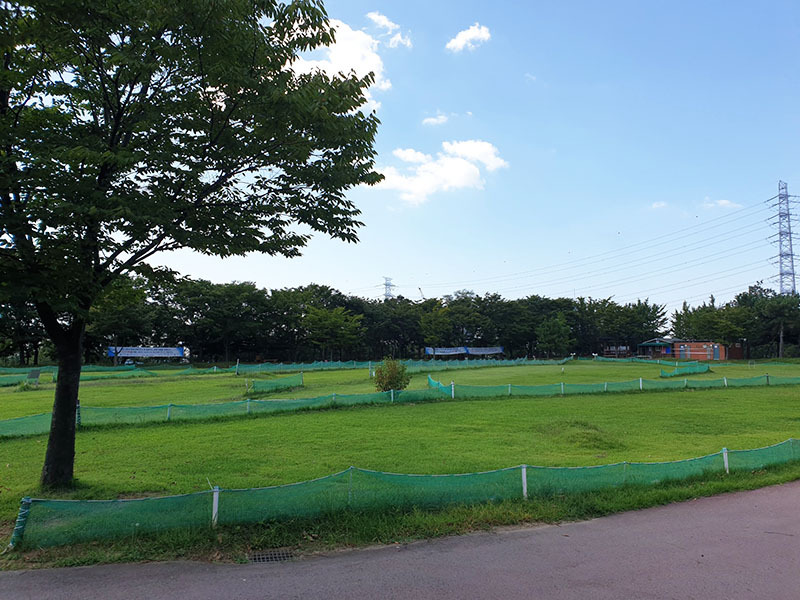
{"x":133,"y":127}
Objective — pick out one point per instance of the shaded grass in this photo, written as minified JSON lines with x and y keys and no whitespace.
{"x":349,"y":529}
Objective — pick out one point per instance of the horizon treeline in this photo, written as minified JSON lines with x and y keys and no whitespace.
{"x":240,"y":321}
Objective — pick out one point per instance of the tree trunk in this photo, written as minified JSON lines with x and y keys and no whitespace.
{"x":60,"y":456}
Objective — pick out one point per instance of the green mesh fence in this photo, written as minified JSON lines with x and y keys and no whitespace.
{"x":265,"y":386}
{"x":647,"y":361}
{"x":128,"y":373}
{"x":131,"y":415}
{"x":89,"y":416}
{"x":686,"y":370}
{"x":43,"y":522}
{"x":9,"y":380}
{"x":564,"y":389}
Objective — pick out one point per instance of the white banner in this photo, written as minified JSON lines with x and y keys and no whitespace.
{"x":145,"y":352}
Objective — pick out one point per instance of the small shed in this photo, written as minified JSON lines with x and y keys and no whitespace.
{"x":659,"y":347}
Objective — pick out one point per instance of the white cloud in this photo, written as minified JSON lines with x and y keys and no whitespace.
{"x":476,"y":151}
{"x":398,"y":39}
{"x":457,"y":167}
{"x":469,"y":38}
{"x":657,"y":205}
{"x":411,"y":155}
{"x":382,"y":21}
{"x":354,"y":51}
{"x":709,"y":203}
{"x":437,"y":120}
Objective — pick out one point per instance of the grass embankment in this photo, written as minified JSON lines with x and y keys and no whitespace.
{"x":447,"y":437}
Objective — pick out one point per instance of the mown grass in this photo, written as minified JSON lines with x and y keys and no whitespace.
{"x":443,"y":437}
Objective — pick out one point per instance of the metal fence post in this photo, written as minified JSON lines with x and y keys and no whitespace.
{"x":641,"y":385}
{"x":725,"y":459}
{"x":525,"y":481}
{"x":605,"y":386}
{"x":452,"y":390}
{"x":562,"y":388}
{"x":248,"y":406}
{"x":509,"y":389}
{"x":169,"y":411}
{"x":215,"y":506}
{"x":725,"y":381}
{"x":767,"y":376}
{"x":392,"y":395}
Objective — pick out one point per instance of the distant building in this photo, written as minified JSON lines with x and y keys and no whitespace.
{"x":616,"y":351}
{"x":677,"y":349}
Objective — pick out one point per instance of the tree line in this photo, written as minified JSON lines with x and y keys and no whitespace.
{"x":230,"y":321}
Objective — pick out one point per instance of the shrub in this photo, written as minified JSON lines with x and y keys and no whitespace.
{"x":391,"y":375}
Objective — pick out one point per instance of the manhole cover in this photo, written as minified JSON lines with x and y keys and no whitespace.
{"x":274,"y":555}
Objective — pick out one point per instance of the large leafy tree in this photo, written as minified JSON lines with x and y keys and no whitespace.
{"x":133,"y":127}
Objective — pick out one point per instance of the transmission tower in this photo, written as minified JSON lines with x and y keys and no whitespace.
{"x":388,"y":286}
{"x":785,"y":251}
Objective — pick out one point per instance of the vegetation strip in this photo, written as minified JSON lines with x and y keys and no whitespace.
{"x":47,"y":522}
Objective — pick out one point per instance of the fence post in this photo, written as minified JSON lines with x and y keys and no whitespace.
{"x":169,"y":411}
{"x":685,"y":382}
{"x":641,"y":386}
{"x":392,"y":395}
{"x":215,"y":506}
{"x":302,"y":382}
{"x":334,"y":397}
{"x":452,"y":390}
{"x":248,"y":406}
{"x":725,"y":459}
{"x":525,"y":481}
{"x":767,"y":376}
{"x":509,"y":389}
{"x":725,"y":381}
{"x":350,"y":486}
{"x":625,"y":472}
{"x":237,"y":366}
{"x":562,"y":388}
{"x":605,"y":386}
{"x":19,"y":526}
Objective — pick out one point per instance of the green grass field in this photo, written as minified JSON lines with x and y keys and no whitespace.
{"x":440,"y":437}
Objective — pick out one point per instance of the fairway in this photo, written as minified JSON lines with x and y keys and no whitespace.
{"x":441,"y":437}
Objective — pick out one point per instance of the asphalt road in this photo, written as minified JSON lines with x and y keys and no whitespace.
{"x":743,"y":545}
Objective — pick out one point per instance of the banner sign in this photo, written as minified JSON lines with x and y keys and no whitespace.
{"x":485,"y":351}
{"x":145,"y":352}
{"x":463,"y":350}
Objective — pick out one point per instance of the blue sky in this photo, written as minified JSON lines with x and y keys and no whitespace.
{"x":617,"y":149}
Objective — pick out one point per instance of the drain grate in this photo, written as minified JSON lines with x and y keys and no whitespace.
{"x":274,"y":555}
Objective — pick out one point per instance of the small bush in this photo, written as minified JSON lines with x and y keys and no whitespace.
{"x":391,"y":375}
{"x":24,"y":386}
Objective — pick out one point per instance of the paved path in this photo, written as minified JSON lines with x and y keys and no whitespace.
{"x":744,"y":545}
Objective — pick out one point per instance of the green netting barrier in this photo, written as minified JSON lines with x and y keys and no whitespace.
{"x":128,"y":373}
{"x":89,"y":416}
{"x":44,"y":522}
{"x":564,"y":389}
{"x":686,"y":370}
{"x":265,"y":386}
{"x":646,"y":361}
{"x":9,"y":380}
